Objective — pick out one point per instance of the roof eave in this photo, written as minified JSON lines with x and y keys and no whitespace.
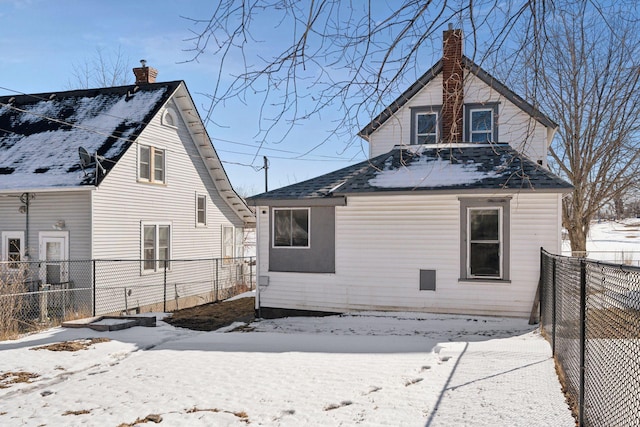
{"x":46,"y":189}
{"x":212,"y":161}
{"x":399,"y":102}
{"x":475,"y":191}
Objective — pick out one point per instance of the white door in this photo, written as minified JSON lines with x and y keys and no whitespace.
{"x":54,"y":251}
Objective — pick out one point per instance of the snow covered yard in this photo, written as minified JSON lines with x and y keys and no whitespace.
{"x":612,"y":241}
{"x":396,"y":369}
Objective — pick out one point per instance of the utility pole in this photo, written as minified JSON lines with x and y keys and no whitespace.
{"x":266,"y":168}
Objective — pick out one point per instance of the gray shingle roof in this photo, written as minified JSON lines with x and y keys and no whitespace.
{"x":426,"y":169}
{"x":40,"y":134}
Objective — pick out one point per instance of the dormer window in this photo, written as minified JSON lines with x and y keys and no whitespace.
{"x":481,"y":123}
{"x":425,"y":125}
{"x":427,"y":132}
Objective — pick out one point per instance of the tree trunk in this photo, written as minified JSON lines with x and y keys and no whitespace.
{"x":578,"y":238}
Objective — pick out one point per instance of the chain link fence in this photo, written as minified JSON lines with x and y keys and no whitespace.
{"x":590,"y":313}
{"x":39,"y":294}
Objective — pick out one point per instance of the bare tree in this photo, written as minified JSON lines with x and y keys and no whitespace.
{"x":351,"y":57}
{"x":576,"y":57}
{"x":586,"y":74}
{"x":105,"y":69}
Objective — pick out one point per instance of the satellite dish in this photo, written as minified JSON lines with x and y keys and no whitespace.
{"x":87,"y":160}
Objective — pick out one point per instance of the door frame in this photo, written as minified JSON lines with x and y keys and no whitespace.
{"x":42,"y":253}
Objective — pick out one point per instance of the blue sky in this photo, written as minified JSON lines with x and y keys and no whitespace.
{"x":43,"y":42}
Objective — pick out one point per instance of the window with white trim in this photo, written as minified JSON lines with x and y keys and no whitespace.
{"x":151,"y":164}
{"x":291,"y":228}
{"x":426,"y":128}
{"x":481,"y":125}
{"x":169,"y":118}
{"x":227,"y":242}
{"x":239,"y":243}
{"x":481,"y":122}
{"x":425,"y":124}
{"x":13,"y":248}
{"x":484,"y":244}
{"x":156,"y":246}
{"x":201,"y":209}
{"x":484,"y":248}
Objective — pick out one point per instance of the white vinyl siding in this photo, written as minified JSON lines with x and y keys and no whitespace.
{"x":517,"y":128}
{"x":382,"y":243}
{"x":120,"y":222}
{"x":117,"y":229}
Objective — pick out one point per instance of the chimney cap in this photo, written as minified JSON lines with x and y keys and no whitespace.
{"x":450,"y":25}
{"x":143,"y":62}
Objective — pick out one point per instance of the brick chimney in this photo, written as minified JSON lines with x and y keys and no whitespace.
{"x":145,"y":74}
{"x":452,"y":85}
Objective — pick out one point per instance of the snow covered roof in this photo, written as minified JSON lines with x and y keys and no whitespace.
{"x":40,"y":134}
{"x":450,"y":167}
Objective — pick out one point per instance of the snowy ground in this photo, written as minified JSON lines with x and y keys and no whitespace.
{"x":614,"y":241}
{"x":400,"y":369}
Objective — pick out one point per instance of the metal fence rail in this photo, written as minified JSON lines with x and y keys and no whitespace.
{"x":590,"y":312}
{"x":36,"y":294}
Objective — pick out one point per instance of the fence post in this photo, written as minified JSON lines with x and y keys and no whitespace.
{"x":583,"y":337}
{"x":164,"y":299}
{"x":217,"y":279}
{"x":93,"y":285}
{"x":553,"y":307}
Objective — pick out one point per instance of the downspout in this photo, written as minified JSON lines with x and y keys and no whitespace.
{"x":25,"y":198}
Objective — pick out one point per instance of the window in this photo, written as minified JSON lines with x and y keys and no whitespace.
{"x":227,"y":242}
{"x":425,"y":125}
{"x":484,"y":247}
{"x":484,"y":242}
{"x":481,"y":125}
{"x":427,"y":128}
{"x":201,"y":210}
{"x":481,"y":122}
{"x":231,"y":243}
{"x":239,"y":242}
{"x":13,"y":248}
{"x":169,"y":118}
{"x":291,"y":228}
{"x":151,"y":164}
{"x":156,"y":246}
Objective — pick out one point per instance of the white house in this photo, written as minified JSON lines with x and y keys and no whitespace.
{"x":119,"y":173}
{"x":447,"y":215}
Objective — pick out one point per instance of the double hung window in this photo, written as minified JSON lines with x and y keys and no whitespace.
{"x":426,"y":128}
{"x":151,"y":164}
{"x":484,"y":239}
{"x":201,"y":210}
{"x":484,"y":243}
{"x":156,"y":246}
